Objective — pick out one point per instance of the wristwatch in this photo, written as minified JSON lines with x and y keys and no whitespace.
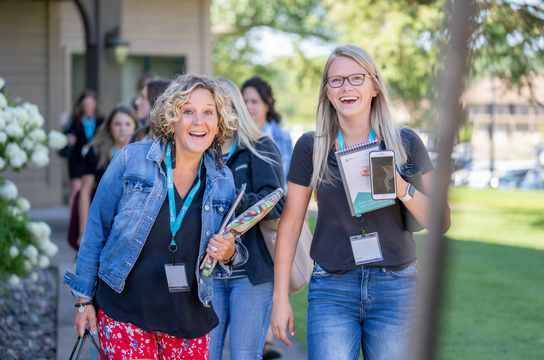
{"x":410,"y":191}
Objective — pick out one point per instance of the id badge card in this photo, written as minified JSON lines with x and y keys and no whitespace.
{"x":366,"y":249}
{"x":176,"y":276}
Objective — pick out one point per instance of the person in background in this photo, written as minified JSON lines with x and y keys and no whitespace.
{"x":144,"y":103}
{"x":142,"y":82}
{"x":80,"y":130}
{"x":110,"y":138}
{"x":139,"y":268}
{"x":260,"y":103}
{"x":244,"y":299}
{"x":352,"y":307}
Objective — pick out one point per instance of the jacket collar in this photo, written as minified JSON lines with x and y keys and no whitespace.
{"x":156,"y":154}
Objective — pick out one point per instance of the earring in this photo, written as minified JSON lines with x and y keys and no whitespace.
{"x":173,"y":151}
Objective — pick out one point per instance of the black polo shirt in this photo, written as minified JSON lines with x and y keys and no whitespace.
{"x":331,"y":247}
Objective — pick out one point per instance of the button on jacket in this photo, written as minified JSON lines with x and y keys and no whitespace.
{"x":124,"y":209}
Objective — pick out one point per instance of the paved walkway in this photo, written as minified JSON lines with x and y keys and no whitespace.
{"x":57,"y":218}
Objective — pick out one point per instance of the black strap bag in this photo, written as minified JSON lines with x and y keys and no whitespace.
{"x":79,"y":349}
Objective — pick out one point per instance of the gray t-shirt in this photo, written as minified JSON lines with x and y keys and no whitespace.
{"x":331,"y":247}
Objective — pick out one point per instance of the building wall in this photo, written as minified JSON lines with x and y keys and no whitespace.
{"x":27,"y":66}
{"x":153,"y":28}
{"x":39,"y":38}
{"x":517,"y":131}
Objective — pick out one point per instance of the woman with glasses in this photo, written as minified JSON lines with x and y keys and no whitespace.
{"x":351,"y":307}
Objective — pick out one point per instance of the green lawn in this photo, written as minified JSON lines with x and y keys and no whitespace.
{"x":493,"y":303}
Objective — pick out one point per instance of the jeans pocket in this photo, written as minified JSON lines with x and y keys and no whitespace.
{"x":410,"y":271}
{"x":318,"y":271}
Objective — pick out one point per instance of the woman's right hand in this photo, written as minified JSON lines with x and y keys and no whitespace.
{"x":88,"y":316}
{"x":282,"y":319}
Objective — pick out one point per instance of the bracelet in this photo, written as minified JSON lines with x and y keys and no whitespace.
{"x":231,"y":259}
{"x":84,"y":304}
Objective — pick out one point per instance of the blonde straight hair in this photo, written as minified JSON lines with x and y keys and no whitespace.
{"x":247,"y":131}
{"x":327,"y":125}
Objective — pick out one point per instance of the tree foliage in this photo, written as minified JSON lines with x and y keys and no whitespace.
{"x":405,"y":37}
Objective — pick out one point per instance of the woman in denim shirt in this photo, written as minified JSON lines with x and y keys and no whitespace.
{"x":132,"y":251}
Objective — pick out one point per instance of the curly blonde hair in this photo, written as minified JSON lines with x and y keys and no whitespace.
{"x":167,"y":108}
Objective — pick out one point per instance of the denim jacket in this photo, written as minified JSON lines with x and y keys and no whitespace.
{"x":124,"y":209}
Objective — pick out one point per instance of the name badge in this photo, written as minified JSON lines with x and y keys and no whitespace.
{"x":366,"y":249}
{"x":176,"y":276}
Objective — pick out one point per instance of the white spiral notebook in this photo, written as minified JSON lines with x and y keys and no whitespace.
{"x":358,"y":189}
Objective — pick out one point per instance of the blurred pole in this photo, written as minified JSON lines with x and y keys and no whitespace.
{"x":450,"y":86}
{"x":492,"y":123}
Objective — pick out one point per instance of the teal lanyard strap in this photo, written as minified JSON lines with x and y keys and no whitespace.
{"x":232,"y":148}
{"x":175,"y":222}
{"x":341,"y":143}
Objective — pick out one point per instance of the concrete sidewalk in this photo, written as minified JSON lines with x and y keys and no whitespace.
{"x":58,"y":218}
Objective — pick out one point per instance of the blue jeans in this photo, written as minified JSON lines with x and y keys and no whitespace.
{"x":247,"y":308}
{"x":368,"y":307}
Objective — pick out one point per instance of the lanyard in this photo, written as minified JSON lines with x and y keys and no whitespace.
{"x":232,"y":148}
{"x":114,"y":151}
{"x":175,"y":223}
{"x":341,"y":143}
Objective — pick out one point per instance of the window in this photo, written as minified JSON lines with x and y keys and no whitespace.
{"x":522,"y":127}
{"x":502,"y":127}
{"x":483,"y":127}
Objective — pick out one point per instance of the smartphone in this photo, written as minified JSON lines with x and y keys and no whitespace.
{"x":382,"y":175}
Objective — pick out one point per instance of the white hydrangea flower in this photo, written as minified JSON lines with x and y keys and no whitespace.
{"x":7,"y":114}
{"x":3,"y":102}
{"x":31,"y":253}
{"x":16,"y":212}
{"x":28,"y":144}
{"x":49,"y":248}
{"x":39,"y":158}
{"x":2,"y":83}
{"x":14,"y":280}
{"x":38,"y":135}
{"x":13,"y":251}
{"x":2,"y":120}
{"x":23,"y":204}
{"x":39,"y":230}
{"x":57,"y":140}
{"x":3,"y":137}
{"x":8,"y":190}
{"x":20,"y":116}
{"x":14,"y":130}
{"x":43,"y":261}
{"x":35,"y":119}
{"x":27,"y":265}
{"x":15,"y":155}
{"x":2,"y":163}
{"x":34,"y":276}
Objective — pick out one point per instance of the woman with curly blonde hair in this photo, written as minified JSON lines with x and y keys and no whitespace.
{"x":151,"y":222}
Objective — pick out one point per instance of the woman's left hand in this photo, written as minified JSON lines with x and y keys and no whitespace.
{"x":223,"y":245}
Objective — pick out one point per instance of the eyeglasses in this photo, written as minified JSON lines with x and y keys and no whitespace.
{"x":338,"y":81}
